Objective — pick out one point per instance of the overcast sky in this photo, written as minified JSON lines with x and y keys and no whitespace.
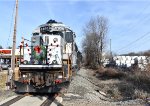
{"x":129,"y":20}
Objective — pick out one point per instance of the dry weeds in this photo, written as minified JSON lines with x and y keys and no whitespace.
{"x":3,"y":79}
{"x":131,"y":85}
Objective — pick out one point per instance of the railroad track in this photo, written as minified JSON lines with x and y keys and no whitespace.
{"x":27,"y":100}
{"x":48,"y":101}
{"x":8,"y":103}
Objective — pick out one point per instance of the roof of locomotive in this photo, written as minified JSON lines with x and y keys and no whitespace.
{"x":52,"y":24}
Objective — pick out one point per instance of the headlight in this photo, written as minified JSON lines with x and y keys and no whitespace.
{"x":59,"y":76}
{"x":24,"y":76}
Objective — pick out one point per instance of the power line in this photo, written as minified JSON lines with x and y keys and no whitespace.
{"x":134,"y":26}
{"x":134,"y":41}
{"x":140,"y":45}
{"x":139,"y":24}
{"x":11,"y":24}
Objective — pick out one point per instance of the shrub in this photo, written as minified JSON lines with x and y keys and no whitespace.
{"x":3,"y":79}
{"x":141,"y":79}
{"x":110,"y":73}
{"x":140,"y":94}
{"x":126,"y":90}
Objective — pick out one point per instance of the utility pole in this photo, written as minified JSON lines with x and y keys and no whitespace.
{"x":14,"y":43}
{"x":110,"y":50}
{"x":22,"y":47}
{"x":101,"y":48}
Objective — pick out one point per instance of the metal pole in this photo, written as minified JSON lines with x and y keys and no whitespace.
{"x":23,"y":47}
{"x":101,"y":49}
{"x":46,"y":54}
{"x":20,"y":55}
{"x":68,"y":67}
{"x":14,"y":43}
{"x":110,"y":50}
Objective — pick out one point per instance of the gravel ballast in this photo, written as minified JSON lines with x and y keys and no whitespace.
{"x":83,"y":92}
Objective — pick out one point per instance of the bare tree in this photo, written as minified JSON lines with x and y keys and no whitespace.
{"x":1,"y":47}
{"x":9,"y":47}
{"x":95,"y":32}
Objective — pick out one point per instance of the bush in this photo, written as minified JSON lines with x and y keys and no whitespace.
{"x":126,"y":90}
{"x":141,"y":94}
{"x":141,"y":79}
{"x":3,"y":79}
{"x":132,"y":84}
{"x":110,"y":73}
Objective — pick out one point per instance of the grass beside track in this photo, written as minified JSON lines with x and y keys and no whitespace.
{"x":121,"y":85}
{"x":3,"y":79}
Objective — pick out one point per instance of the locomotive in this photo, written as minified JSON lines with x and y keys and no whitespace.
{"x":49,"y":63}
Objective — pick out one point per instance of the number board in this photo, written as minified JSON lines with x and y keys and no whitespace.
{"x":45,"y":28}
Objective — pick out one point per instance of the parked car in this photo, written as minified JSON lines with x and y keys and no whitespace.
{"x":4,"y":66}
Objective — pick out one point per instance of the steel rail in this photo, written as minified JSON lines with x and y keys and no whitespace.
{"x":49,"y":100}
{"x":8,"y":103}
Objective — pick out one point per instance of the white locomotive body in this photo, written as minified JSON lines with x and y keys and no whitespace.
{"x":50,"y":64}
